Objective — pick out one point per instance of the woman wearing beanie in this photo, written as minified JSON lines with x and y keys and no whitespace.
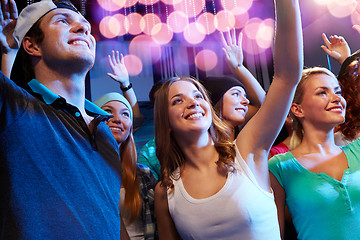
{"x":138,"y":183}
{"x":234,"y":100}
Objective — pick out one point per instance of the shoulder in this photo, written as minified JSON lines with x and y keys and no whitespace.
{"x":353,"y":147}
{"x":277,"y":161}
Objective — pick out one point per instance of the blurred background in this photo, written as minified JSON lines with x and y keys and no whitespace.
{"x":163,"y":38}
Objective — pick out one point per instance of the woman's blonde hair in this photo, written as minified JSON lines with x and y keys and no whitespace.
{"x":168,"y":151}
{"x":298,"y":131}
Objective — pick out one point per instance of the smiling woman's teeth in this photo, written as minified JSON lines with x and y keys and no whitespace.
{"x":115,"y":128}
{"x":195,"y":115}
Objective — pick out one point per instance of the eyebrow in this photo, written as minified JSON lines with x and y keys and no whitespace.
{"x":181,"y":94}
{"x":325,"y":88}
{"x":70,"y":16}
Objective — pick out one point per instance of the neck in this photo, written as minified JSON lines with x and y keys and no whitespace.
{"x":317,"y":140}
{"x":198,"y":151}
{"x":70,"y":86}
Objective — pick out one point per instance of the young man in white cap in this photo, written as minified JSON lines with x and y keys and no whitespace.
{"x":59,"y":163}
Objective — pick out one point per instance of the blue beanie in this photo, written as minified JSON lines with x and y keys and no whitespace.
{"x":114,"y":96}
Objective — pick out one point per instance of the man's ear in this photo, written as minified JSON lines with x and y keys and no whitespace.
{"x":31,"y":47}
{"x":297,"y":110}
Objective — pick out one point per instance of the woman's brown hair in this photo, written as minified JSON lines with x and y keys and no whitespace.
{"x":350,"y":87}
{"x":130,"y":181}
{"x":168,"y":151}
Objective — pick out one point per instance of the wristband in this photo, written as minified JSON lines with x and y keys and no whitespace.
{"x":124,"y":89}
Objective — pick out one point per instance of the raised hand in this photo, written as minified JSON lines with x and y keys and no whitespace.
{"x":8,"y":18}
{"x":336,"y":47}
{"x":232,"y":49}
{"x":120,"y":73}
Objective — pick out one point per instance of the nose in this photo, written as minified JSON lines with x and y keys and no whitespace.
{"x":335,"y":97}
{"x":193,"y":103}
{"x":116,"y":119}
{"x":82,"y":27}
{"x":244,"y":101}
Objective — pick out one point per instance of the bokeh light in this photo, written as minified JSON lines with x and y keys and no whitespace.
{"x":130,"y":3}
{"x":191,"y":8}
{"x":171,"y":2}
{"x":145,"y":48}
{"x":111,"y":5}
{"x":206,"y":60}
{"x":161,"y":33}
{"x":224,"y":20}
{"x":194,"y":33}
{"x":122,"y":20}
{"x":148,"y":2}
{"x":109,"y":27}
{"x":148,"y":21}
{"x":132,"y":23}
{"x":177,"y":20}
{"x":341,"y":9}
{"x":252,"y":27}
{"x":355,"y":16}
{"x":237,"y":6}
{"x":207,"y":19}
{"x":133,"y":64}
{"x":265,"y":34}
{"x":241,"y":20}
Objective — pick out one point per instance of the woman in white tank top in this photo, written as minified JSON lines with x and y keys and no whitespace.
{"x":211,"y":188}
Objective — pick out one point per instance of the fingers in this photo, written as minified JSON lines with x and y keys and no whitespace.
{"x":326,"y":50}
{"x":2,"y":6}
{"x":5,"y":9}
{"x":13,"y":9}
{"x":223,"y":41}
{"x":226,"y":53}
{"x":117,"y":57}
{"x":110,"y":60}
{"x":326,"y":40}
{"x":229,"y":40}
{"x":240,"y":40}
{"x":122,"y":59}
{"x":233,"y":37}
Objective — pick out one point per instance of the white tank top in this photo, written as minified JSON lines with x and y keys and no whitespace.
{"x":240,"y":210}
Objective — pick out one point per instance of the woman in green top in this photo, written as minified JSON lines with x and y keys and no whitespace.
{"x":317,"y":180}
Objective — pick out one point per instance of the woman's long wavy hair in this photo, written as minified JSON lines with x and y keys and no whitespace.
{"x":350,"y":87}
{"x":130,"y":181}
{"x":168,"y":151}
{"x":298,"y":131}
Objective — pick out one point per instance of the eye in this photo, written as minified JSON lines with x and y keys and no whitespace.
{"x":108,"y":111}
{"x":321,"y":93}
{"x":339,"y":92}
{"x":176,"y":101}
{"x":126,"y":114}
{"x":199,"y":96}
{"x":62,"y":20}
{"x":236,"y":94}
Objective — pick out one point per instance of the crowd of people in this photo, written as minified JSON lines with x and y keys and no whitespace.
{"x":69,"y":168}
